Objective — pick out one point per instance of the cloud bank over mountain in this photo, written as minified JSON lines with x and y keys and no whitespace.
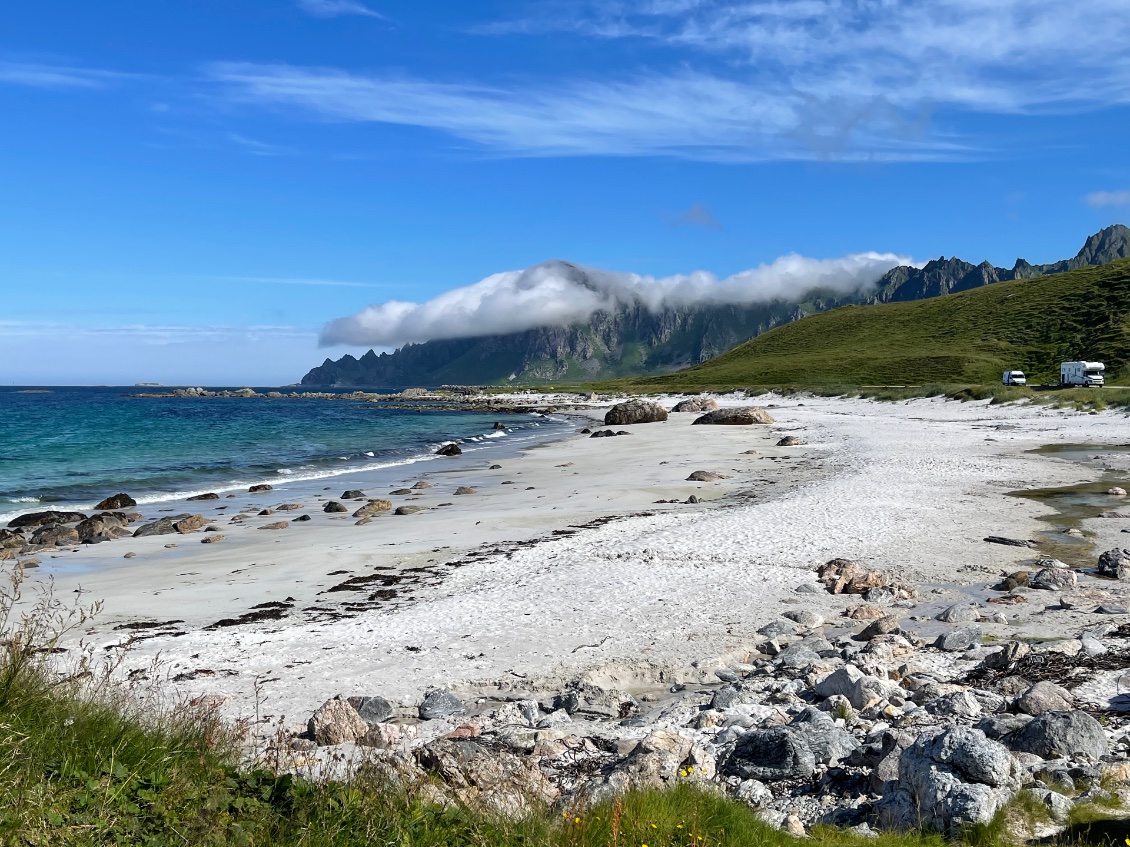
{"x":559,"y":293}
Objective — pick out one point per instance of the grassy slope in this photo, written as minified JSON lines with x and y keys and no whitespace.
{"x":970,"y":337}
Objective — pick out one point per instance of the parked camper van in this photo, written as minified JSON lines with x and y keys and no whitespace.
{"x":1087,"y":374}
{"x":1014,"y":378}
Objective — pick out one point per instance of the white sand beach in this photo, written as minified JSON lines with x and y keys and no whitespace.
{"x":911,"y":488}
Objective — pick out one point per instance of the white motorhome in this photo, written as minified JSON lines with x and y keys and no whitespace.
{"x":1014,"y":378}
{"x":1088,"y":374}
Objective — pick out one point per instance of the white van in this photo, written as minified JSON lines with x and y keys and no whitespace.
{"x":1087,"y":374}
{"x":1014,"y":378}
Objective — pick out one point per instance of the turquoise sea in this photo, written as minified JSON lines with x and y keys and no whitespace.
{"x":74,"y":446}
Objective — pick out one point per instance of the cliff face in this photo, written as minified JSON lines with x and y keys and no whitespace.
{"x":633,"y":341}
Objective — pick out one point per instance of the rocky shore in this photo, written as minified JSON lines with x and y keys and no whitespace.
{"x":859,"y":721}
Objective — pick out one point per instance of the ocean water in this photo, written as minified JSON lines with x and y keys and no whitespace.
{"x":74,"y":446}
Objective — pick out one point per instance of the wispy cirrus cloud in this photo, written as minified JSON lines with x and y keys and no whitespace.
{"x":334,"y":8}
{"x":42,"y":75}
{"x":1100,"y":199}
{"x":752,"y":81}
{"x":687,"y":114}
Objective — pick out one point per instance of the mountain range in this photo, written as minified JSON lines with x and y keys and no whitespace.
{"x":632,"y":340}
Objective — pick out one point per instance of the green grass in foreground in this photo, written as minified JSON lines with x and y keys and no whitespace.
{"x":83,"y":763}
{"x":970,"y":337}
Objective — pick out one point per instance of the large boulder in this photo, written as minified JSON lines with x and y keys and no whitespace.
{"x":35,"y":519}
{"x":1057,"y":577}
{"x":849,"y":681}
{"x":440,"y":703}
{"x":743,"y":416}
{"x":780,"y":752}
{"x":190,"y":524}
{"x":1115,"y":563}
{"x":10,"y":540}
{"x":373,"y":710}
{"x":830,"y":744}
{"x":697,"y":404}
{"x":116,"y":502}
{"x":54,"y":535}
{"x":336,"y":722}
{"x":450,"y":450}
{"x":959,"y":639}
{"x":635,"y":412}
{"x":1045,"y":697}
{"x":161,"y":526}
{"x":484,"y":778}
{"x":373,"y":508}
{"x":1054,"y":735}
{"x":948,"y":781}
{"x":101,"y":528}
{"x":841,"y":576}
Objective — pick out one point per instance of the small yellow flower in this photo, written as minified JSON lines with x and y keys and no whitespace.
{"x":576,"y":820}
{"x":653,"y":826}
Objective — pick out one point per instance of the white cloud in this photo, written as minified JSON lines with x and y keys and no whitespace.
{"x":333,"y":8}
{"x":37,"y":75}
{"x":689,"y":114}
{"x":559,"y":293}
{"x":1108,"y":198}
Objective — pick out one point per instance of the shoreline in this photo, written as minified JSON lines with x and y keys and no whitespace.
{"x":498,"y":595}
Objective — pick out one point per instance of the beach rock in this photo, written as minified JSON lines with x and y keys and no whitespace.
{"x":37,"y":519}
{"x":635,"y":412}
{"x":841,"y":576}
{"x":864,"y":612}
{"x":1067,"y":734}
{"x":948,"y":781}
{"x":422,"y":485}
{"x":705,"y":476}
{"x":10,"y":540}
{"x":1116,"y":491}
{"x":789,"y":441}
{"x":466,"y":489}
{"x":769,"y":755}
{"x":853,"y":684}
{"x":101,"y":528}
{"x":302,"y":519}
{"x":401,"y":492}
{"x":260,"y":488}
{"x":409,"y":510}
{"x":276,"y":525}
{"x":958,"y":639}
{"x":201,"y":497}
{"x":1115,"y":563}
{"x":959,"y":613}
{"x":54,"y":535}
{"x":117,"y":501}
{"x":1008,"y":542}
{"x":334,"y":508}
{"x":449,"y":450}
{"x":353,"y":494}
{"x":388,"y":736}
{"x":697,"y":404}
{"x":957,"y":704}
{"x":215,"y":538}
{"x":744,"y":416}
{"x":480,"y":777}
{"x":999,"y":726}
{"x":440,"y":703}
{"x":805,"y":618}
{"x":726,"y":698}
{"x":829,"y":743}
{"x":499,"y":467}
{"x":1055,"y":578}
{"x":336,"y":722}
{"x":499,"y":426}
{"x":373,"y":710}
{"x":883,"y":626}
{"x":373,"y":508}
{"x":1045,"y":697}
{"x":289,"y":507}
{"x":190,"y":524}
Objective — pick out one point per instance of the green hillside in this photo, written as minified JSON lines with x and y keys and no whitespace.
{"x":1031,"y":324}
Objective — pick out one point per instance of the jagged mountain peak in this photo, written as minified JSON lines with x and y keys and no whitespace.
{"x":631,"y":338}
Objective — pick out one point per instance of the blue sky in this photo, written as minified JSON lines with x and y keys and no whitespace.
{"x":195,"y":189}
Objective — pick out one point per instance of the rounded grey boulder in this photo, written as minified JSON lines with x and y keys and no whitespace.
{"x":635,"y":412}
{"x":1055,"y":735}
{"x":440,"y":704}
{"x":770,"y":754}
